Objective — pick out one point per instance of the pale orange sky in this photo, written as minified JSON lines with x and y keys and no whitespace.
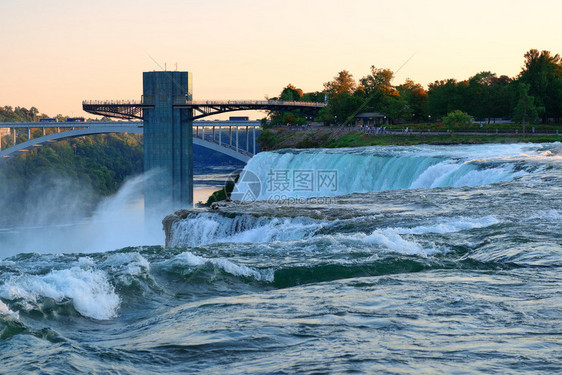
{"x":56,"y":53}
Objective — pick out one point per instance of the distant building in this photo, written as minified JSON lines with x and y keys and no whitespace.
{"x":238,"y":118}
{"x":370,"y":119}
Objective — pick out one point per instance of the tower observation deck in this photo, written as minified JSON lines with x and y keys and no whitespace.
{"x":168,"y":111}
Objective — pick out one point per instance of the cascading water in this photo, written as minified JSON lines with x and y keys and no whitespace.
{"x":326,"y":172}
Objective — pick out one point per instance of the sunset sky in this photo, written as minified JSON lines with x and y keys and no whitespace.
{"x":56,"y":53}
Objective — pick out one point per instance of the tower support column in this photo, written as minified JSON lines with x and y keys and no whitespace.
{"x":168,"y":142}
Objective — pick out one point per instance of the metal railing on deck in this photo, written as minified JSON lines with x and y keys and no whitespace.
{"x":250,"y":102}
{"x":112,"y":102}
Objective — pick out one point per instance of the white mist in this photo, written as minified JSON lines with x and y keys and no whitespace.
{"x":56,"y":223}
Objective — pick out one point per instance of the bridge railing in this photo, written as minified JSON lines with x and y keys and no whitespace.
{"x":251,"y":102}
{"x":112,"y":102}
{"x":210,"y":102}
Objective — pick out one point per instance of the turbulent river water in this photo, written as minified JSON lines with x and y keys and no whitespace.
{"x":427,"y":259}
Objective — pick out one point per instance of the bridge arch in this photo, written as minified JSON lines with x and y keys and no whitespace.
{"x":33,"y":144}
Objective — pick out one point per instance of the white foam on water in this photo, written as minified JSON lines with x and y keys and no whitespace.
{"x":89,"y":290}
{"x":395,"y":243}
{"x":394,"y":240}
{"x":132,"y":264}
{"x":5,"y":310}
{"x":86,"y":262}
{"x":451,"y":225}
{"x":189,"y":259}
{"x":207,"y":228}
{"x":435,"y":175}
{"x":550,"y":215}
{"x":385,"y":240}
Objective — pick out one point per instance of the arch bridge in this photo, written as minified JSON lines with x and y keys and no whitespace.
{"x":226,"y":137}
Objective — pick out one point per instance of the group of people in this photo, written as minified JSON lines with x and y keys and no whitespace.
{"x":368,"y":129}
{"x":303,"y":126}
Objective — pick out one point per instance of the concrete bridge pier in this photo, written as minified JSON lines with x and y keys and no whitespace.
{"x":168,"y":141}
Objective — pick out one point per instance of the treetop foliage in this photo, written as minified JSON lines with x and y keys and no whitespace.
{"x":484,"y":96}
{"x":19,"y":114}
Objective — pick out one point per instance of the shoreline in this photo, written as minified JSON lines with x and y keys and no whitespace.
{"x":279,"y":138}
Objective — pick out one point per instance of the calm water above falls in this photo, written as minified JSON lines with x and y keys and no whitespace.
{"x":449,"y":261}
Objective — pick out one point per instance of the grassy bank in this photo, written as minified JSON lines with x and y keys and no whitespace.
{"x":358,"y":139}
{"x":274,"y":139}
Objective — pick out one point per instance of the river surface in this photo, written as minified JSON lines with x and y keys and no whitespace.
{"x":426,"y":259}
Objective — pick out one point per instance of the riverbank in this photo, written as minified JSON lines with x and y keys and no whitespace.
{"x":279,"y":138}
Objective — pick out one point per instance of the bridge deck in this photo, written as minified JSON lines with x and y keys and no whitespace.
{"x":201,"y":108}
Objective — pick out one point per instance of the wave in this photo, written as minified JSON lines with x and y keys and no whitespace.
{"x":205,"y":228}
{"x":549,"y":215}
{"x":451,"y":225}
{"x":325,"y":172}
{"x":5,"y":310}
{"x":401,"y":241}
{"x":191,"y":260}
{"x":89,"y":291}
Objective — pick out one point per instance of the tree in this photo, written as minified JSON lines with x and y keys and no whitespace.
{"x":525,"y":111}
{"x":395,"y":107}
{"x":33,"y":112}
{"x":342,"y":83}
{"x":479,"y":94}
{"x":416,"y":99}
{"x":378,"y":80}
{"x":457,"y":118}
{"x":543,"y":73}
{"x":267,"y":140}
{"x":316,"y":96}
{"x":340,"y":109}
{"x":502,"y":97}
{"x":380,"y":96}
{"x":291,"y":93}
{"x":341,"y":101}
{"x":444,"y":96}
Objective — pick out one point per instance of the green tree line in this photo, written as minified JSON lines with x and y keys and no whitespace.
{"x":18,"y":114}
{"x":534,"y":94}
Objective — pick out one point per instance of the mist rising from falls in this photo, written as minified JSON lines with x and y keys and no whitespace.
{"x":57,"y":225}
